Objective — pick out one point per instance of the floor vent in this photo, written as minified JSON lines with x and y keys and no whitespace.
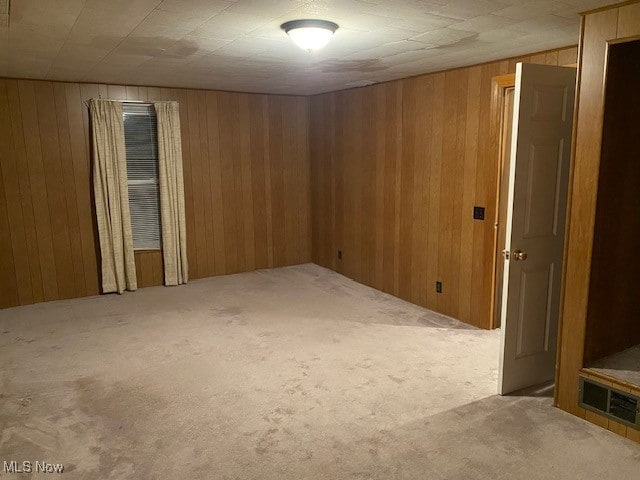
{"x":621,"y":406}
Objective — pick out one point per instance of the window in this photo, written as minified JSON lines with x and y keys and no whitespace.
{"x":141,"y":144}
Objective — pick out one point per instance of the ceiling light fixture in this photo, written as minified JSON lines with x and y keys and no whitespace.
{"x":310,"y":35}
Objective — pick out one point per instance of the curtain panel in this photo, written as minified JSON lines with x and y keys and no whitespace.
{"x":112,"y":196}
{"x":172,"y":216}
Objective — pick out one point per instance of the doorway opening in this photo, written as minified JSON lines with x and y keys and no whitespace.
{"x":505,"y":89}
{"x":535,"y":146}
{"x":612,"y":337}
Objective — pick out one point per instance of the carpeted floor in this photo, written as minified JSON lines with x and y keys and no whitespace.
{"x":293,"y":373}
{"x":623,"y":365}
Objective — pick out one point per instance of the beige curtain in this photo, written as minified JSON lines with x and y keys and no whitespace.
{"x":112,"y":196}
{"x":172,"y":219}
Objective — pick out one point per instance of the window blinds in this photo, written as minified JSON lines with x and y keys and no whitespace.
{"x":141,"y":144}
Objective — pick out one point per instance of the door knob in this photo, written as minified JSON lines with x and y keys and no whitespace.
{"x":518,"y":255}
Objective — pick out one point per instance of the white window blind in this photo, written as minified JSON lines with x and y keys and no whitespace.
{"x":141,"y":143}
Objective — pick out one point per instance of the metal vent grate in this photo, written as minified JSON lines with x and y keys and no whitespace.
{"x":621,"y":406}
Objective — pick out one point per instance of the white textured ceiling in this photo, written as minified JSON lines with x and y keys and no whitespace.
{"x":238,"y":45}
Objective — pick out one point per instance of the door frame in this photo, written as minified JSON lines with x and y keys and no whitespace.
{"x":499,"y":86}
{"x":583,"y":197}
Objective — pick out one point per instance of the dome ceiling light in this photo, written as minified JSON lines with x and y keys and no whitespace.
{"x":310,"y":35}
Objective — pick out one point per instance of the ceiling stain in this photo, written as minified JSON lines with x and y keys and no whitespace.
{"x":155,"y":46}
{"x":470,"y":40}
{"x":341,"y":66}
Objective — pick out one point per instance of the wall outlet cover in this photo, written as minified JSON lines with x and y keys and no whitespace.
{"x":478,"y":213}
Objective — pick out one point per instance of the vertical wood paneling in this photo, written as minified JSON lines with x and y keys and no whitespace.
{"x":319,"y":203}
{"x":393,"y":150}
{"x":368,"y":193}
{"x":7,"y":268}
{"x":628,"y":20}
{"x":323,"y":184}
{"x":13,"y":236}
{"x":267,"y":178}
{"x":42,"y":212}
{"x":9,"y":282}
{"x":208,"y":260}
{"x":407,"y":161}
{"x":217,"y":206}
{"x":470,"y":169}
{"x":568,"y":56}
{"x":551,"y":58}
{"x":276,"y":176}
{"x":338,"y":174}
{"x":199,"y":267}
{"x":288,"y":187}
{"x":330,"y":182}
{"x":393,"y":177}
{"x":352,"y":181}
{"x":435,"y":176}
{"x":236,"y":180}
{"x":233,"y":168}
{"x":26,"y":202}
{"x":46,"y":112}
{"x":303,"y":174}
{"x":598,"y":29}
{"x":378,"y":121}
{"x":256,"y":105}
{"x":397,"y":169}
{"x":246,"y":190}
{"x":66,"y":160}
{"x":228,"y":186}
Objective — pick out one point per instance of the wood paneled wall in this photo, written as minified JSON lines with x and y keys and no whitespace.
{"x":598,"y":29}
{"x":396,"y":171}
{"x":397,"y":168}
{"x":613,"y":311}
{"x":246,"y":169}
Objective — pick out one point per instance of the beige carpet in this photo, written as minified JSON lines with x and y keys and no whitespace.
{"x":294,"y":373}
{"x":623,"y":365}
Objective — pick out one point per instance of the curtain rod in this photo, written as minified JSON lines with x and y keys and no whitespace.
{"x":140,"y":102}
{"x":137,"y":102}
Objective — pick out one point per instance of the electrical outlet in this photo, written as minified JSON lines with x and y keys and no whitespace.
{"x":478,"y":213}
{"x":339,"y":254}
{"x":438,"y":287}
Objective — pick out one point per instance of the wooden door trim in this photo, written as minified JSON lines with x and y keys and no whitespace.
{"x":567,"y":239}
{"x":504,"y":81}
{"x":616,"y":41}
{"x":578,"y":356}
{"x":499,"y":86}
{"x":608,"y":7}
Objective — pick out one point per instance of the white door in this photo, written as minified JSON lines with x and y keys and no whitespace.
{"x":538,"y":182}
